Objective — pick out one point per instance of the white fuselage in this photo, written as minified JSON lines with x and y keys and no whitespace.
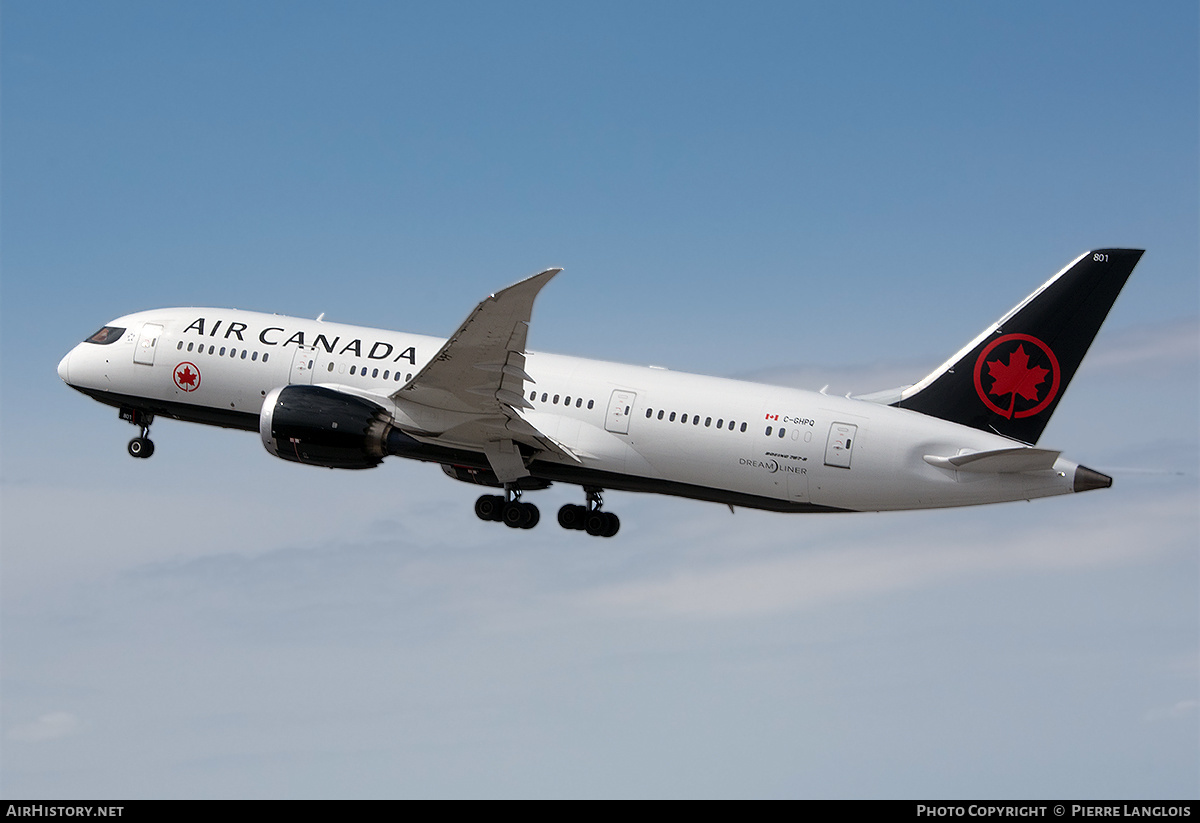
{"x":628,"y":427}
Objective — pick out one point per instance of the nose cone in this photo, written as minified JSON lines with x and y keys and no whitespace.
{"x":64,"y":369}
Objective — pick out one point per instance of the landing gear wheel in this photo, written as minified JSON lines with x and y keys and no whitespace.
{"x":590,"y":518}
{"x":141,"y":447}
{"x":489,"y":507}
{"x":511,"y":512}
{"x":533,"y":516}
{"x":572,"y":517}
{"x":596,"y":523}
{"x":516,"y":515}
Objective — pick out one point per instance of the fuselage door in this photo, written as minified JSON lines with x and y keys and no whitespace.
{"x":303,"y":363}
{"x":619,"y":409}
{"x":840,"y":446}
{"x":147,"y":343}
{"x":797,"y":481}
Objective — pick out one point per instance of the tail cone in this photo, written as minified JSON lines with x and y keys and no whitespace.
{"x":1086,"y":480}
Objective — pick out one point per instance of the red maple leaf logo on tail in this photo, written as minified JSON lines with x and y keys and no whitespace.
{"x":1016,"y":377}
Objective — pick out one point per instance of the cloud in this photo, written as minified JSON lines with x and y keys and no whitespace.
{"x":1182,"y":709}
{"x":867,"y":563}
{"x":52,"y":726}
{"x":1147,"y":345}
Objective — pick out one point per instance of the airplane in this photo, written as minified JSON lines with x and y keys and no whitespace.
{"x":493,"y":413}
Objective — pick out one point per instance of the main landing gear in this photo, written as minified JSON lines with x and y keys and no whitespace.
{"x":142,"y":445}
{"x":589,"y":518}
{"x":509,"y":510}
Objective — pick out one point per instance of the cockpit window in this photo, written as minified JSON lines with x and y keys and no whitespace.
{"x":108,"y":334}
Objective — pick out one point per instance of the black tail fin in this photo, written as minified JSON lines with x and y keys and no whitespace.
{"x":1010,"y":378}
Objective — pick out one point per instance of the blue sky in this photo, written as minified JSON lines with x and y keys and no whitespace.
{"x":800,"y":192}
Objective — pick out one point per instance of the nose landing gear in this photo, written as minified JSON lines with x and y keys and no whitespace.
{"x":140,"y":446}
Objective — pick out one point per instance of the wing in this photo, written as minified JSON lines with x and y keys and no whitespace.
{"x":477,"y":380}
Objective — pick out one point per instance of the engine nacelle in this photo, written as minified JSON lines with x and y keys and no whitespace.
{"x":323,"y":427}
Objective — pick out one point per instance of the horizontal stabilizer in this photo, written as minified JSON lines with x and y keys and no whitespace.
{"x":998,"y":461}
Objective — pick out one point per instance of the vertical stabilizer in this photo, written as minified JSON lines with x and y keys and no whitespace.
{"x":1010,"y":378}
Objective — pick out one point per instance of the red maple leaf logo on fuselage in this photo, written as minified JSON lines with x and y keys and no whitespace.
{"x":187,"y":377}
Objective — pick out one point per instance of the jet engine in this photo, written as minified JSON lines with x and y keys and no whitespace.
{"x":324,"y":427}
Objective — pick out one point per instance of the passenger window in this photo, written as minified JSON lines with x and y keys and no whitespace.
{"x":352,"y":369}
{"x":672,"y":417}
{"x":180,"y":346}
{"x":222,"y":351}
{"x":254,"y":357}
{"x":649,"y":413}
{"x":264,"y":354}
{"x":243,"y":354}
{"x":544,"y":396}
{"x":190,"y":346}
{"x":556,"y":399}
{"x":660,"y":414}
{"x":330,"y":366}
{"x":707,"y":422}
{"x":782,"y":431}
{"x":696,"y":420}
{"x":768,"y":431}
{"x":743,"y":426}
{"x":721,"y":423}
{"x":579,"y":402}
{"x":374,"y":372}
{"x":567,"y":400}
{"x":385,"y":373}
{"x":591,"y":403}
